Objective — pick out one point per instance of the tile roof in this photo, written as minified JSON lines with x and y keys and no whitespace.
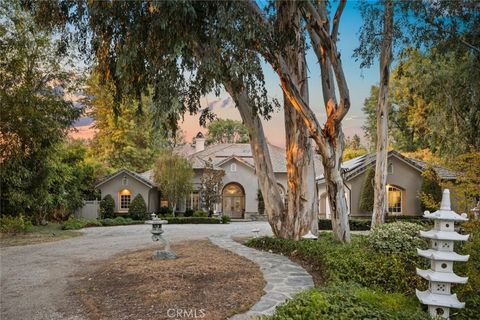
{"x":357,"y":165}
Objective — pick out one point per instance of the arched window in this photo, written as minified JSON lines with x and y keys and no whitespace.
{"x":394,"y":196}
{"x":124,"y":197}
{"x":233,"y":167}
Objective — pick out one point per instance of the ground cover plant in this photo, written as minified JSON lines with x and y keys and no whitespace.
{"x":377,"y":267}
{"x":18,"y":233}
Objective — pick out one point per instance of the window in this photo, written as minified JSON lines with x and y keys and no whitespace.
{"x":125,"y":198}
{"x":124,"y":181}
{"x":193,"y":201}
{"x":233,"y":167}
{"x":394,"y":199}
{"x":390,"y":168}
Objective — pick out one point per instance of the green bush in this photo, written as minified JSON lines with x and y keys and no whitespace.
{"x":74,"y":224}
{"x":396,"y":237}
{"x":469,"y":292}
{"x":14,"y":225}
{"x":138,"y":208}
{"x":120,"y":221}
{"x":430,"y":194}
{"x":226,"y":219}
{"x":355,"y":262}
{"x":366,"y":197}
{"x":200,"y":213}
{"x":192,"y":220}
{"x":107,"y":207}
{"x":349,"y":301}
{"x":164,"y":211}
{"x":188,"y":213}
{"x":355,"y":224}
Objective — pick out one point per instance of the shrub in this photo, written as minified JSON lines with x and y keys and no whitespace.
{"x":226,"y":219}
{"x":138,"y":208}
{"x":74,"y":224}
{"x":366,"y":197}
{"x":188,"y":213}
{"x":164,"y":211}
{"x":355,"y":262}
{"x":14,"y":225}
{"x":200,"y":213}
{"x":469,"y":292}
{"x":193,"y":220}
{"x":107,"y":207}
{"x":349,"y":301}
{"x":430,"y":193}
{"x":396,"y":237}
{"x":355,"y":224}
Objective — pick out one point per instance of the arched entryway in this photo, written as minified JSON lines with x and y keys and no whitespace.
{"x":233,"y":200}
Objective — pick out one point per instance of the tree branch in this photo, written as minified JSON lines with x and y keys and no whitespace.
{"x":336,"y":20}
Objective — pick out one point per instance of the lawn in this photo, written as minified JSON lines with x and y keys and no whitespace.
{"x":37,"y":234}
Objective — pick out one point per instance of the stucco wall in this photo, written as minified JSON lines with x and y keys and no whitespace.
{"x":403,"y":176}
{"x":114,"y":186}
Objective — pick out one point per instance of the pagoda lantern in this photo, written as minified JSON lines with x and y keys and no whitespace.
{"x":440,"y":275}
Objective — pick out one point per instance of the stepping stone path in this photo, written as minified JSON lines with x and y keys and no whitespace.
{"x":284,"y":278}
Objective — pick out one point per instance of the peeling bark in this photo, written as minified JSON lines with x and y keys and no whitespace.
{"x":302,"y":207}
{"x":274,"y":207}
{"x":380,"y":192}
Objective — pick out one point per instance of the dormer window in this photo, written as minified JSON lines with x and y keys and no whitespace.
{"x":233,"y":167}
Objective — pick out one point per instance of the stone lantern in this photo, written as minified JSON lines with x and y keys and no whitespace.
{"x":440,"y":275}
{"x":157,"y":232}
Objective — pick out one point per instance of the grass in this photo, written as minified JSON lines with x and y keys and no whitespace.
{"x":38,"y":234}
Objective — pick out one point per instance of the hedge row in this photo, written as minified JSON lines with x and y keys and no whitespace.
{"x":192,"y":220}
{"x":362,"y":224}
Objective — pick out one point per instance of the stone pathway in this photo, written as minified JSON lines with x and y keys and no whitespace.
{"x":284,"y":278}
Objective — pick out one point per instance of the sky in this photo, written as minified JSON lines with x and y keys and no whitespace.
{"x":358,"y":80}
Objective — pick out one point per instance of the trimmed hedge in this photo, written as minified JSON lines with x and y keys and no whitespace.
{"x":138,"y":208}
{"x":75,"y":224}
{"x":363,"y":224}
{"x":349,"y":301}
{"x":192,"y":220}
{"x":107,"y":207}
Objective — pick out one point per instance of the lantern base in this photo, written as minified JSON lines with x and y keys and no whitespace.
{"x":164,"y":255}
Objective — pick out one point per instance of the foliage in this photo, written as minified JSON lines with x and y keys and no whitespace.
{"x":74,"y":223}
{"x":173,"y":174}
{"x":470,"y":292}
{"x":464,"y":191}
{"x":211,"y":183}
{"x":119,"y":221}
{"x":430,"y":193}
{"x":188,"y":213}
{"x":396,"y":237}
{"x":200,"y":213}
{"x":366,"y":197}
{"x":225,"y":219}
{"x":164,"y":211}
{"x":353,"y":148}
{"x":355,"y":262}
{"x":125,"y":137}
{"x":226,"y":131}
{"x":107,"y":207}
{"x":192,"y":220}
{"x":14,"y":225}
{"x":349,"y":301}
{"x":33,"y":84}
{"x":428,"y":89}
{"x":138,"y":208}
{"x":363,"y":224}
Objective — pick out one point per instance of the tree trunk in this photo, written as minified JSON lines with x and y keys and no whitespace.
{"x":302,"y":208}
{"x":380,"y":196}
{"x":174,"y":208}
{"x":274,"y":207}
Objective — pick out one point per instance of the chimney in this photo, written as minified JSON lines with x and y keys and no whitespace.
{"x":199,"y":142}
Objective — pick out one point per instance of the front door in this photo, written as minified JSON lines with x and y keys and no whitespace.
{"x":233,"y":201}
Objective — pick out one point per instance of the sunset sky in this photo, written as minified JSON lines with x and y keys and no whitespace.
{"x":359,"y":82}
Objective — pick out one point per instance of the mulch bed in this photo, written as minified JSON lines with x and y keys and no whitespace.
{"x":205,"y":282}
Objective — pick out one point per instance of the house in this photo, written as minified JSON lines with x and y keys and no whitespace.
{"x":240,"y":185}
{"x":404,"y":181}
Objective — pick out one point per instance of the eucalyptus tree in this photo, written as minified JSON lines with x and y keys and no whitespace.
{"x":420,"y":23}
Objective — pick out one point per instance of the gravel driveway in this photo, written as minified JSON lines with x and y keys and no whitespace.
{"x":34,"y":278}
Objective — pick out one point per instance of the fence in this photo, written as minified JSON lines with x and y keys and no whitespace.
{"x":89,"y":210}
